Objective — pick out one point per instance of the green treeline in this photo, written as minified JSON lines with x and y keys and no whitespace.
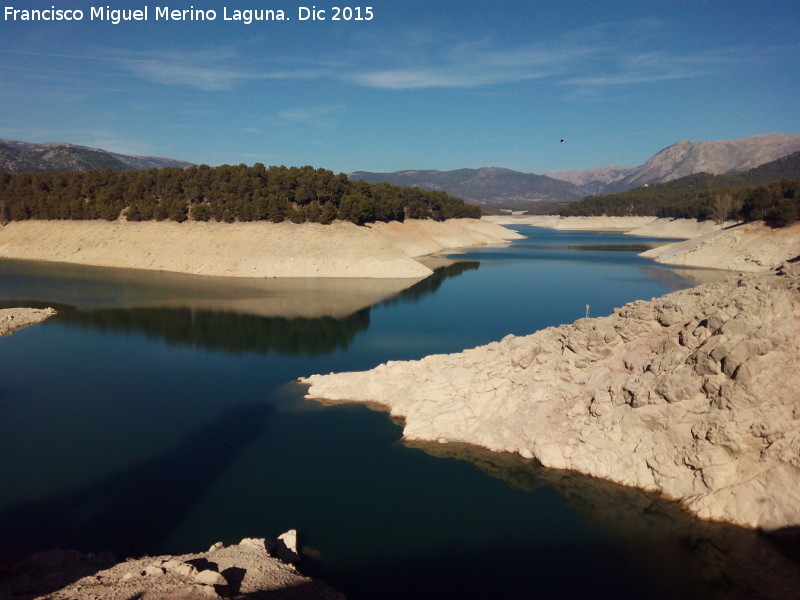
{"x":705,"y":196}
{"x":226,"y":193}
{"x":777,"y":203}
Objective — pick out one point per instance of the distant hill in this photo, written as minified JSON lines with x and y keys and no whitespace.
{"x":26,"y":157}
{"x":507,"y":188}
{"x":698,"y":195}
{"x":686,"y":158}
{"x":489,"y":185}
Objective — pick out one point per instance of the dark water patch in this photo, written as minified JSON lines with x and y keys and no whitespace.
{"x":637,"y":248}
{"x":658,"y":537}
{"x":132,"y":511}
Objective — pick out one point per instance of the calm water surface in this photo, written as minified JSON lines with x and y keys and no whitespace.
{"x":158,"y":414}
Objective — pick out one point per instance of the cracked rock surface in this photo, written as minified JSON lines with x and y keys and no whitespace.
{"x":695,"y":395}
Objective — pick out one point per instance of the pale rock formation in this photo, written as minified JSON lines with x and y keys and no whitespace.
{"x":752,"y":247}
{"x":285,"y":547}
{"x":12,"y":319}
{"x":678,"y":228}
{"x":241,"y":570}
{"x":695,"y":395}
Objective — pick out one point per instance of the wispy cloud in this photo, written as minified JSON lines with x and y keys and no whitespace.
{"x":475,"y":65}
{"x":606,"y":54}
{"x":210,"y":70}
{"x":318,"y":116}
{"x":602,"y":55}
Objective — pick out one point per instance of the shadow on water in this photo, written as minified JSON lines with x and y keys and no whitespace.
{"x":134,"y":509}
{"x":672,"y":554}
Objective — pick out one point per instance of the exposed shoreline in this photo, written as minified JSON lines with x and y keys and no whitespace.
{"x":14,"y":319}
{"x":253,"y":568}
{"x":748,"y":247}
{"x":692,"y":395}
{"x":643,"y":226}
{"x":340,"y":250}
{"x":751,"y":247}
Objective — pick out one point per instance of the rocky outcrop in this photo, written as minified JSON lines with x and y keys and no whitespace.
{"x":693,"y":395}
{"x":751,"y":247}
{"x":12,"y":319}
{"x":258,"y":249}
{"x":253,"y":568}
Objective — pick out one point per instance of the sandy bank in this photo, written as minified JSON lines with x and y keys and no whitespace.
{"x":752,"y":247}
{"x":642,"y":226}
{"x":573,"y":223}
{"x":12,"y":319}
{"x":255,"y":568}
{"x":677,"y":228}
{"x":693,"y":395}
{"x":259,"y":249}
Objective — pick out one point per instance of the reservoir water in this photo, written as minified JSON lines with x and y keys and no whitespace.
{"x":158,"y":413}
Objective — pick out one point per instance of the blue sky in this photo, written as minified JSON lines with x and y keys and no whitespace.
{"x":423,"y":85}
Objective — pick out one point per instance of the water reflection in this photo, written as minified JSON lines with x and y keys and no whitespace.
{"x":228,"y":331}
{"x":92,"y":288}
{"x":723,"y":560}
{"x":232,"y":324}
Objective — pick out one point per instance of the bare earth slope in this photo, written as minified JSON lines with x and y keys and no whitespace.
{"x":248,"y":249}
{"x":694,"y":395}
{"x":751,"y":247}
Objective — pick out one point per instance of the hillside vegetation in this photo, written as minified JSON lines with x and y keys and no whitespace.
{"x":226,"y":193}
{"x":704,"y":196}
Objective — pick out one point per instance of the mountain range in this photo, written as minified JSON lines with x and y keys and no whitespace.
{"x":26,"y":157}
{"x":487,"y":185}
{"x":491,"y":185}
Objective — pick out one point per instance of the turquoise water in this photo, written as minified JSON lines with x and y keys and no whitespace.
{"x":158,"y":414}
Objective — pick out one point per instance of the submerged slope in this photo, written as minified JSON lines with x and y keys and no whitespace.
{"x":693,"y":395}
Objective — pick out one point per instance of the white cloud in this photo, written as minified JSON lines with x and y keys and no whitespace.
{"x":602,"y":55}
{"x":312,"y":115}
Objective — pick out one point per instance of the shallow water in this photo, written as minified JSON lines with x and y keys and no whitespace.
{"x":158,"y":414}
